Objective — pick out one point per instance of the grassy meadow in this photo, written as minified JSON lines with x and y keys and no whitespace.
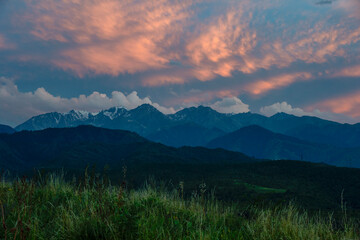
{"x":90,"y":208}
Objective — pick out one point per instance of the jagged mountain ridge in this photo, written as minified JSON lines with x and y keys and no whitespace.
{"x":141,"y":120}
{"x":148,"y":122}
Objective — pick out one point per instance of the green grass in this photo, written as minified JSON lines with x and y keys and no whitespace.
{"x":260,"y":189}
{"x":91,"y":209}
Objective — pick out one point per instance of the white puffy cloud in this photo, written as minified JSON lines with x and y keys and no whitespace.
{"x":282,"y":107}
{"x":287,"y":108}
{"x":230,"y":105}
{"x":16,"y":106}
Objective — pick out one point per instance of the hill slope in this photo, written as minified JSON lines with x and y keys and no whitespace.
{"x":187,"y":134}
{"x":262,"y":143}
{"x":6,"y":129}
{"x":83,"y":145}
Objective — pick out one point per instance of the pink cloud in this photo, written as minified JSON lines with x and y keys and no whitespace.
{"x":158,"y":80}
{"x":257,"y":87}
{"x":317,"y":45}
{"x":116,"y":37}
{"x":218,"y":48}
{"x":110,"y":37}
{"x":4,"y":44}
{"x":347,"y":104}
{"x":230,"y":43}
{"x":287,"y":108}
{"x":352,"y":7}
{"x":196,"y":97}
{"x":263,"y":86}
{"x":114,"y":58}
{"x":353,"y":71}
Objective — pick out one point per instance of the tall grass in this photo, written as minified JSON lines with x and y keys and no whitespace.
{"x":92,"y":209}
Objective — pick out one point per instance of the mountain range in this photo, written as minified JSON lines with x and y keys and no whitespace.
{"x":281,"y":136}
{"x":261,"y":143}
{"x":149,"y":122}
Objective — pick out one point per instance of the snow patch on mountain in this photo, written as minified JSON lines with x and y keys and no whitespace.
{"x":80,"y":115}
{"x":114,"y":112}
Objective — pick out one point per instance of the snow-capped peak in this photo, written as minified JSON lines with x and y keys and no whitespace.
{"x":79,"y":114}
{"x":114,"y":112}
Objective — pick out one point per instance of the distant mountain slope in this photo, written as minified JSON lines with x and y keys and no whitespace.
{"x":206,"y":117}
{"x":187,"y":134}
{"x":314,"y":129}
{"x":262,"y":143}
{"x":77,"y":147}
{"x":6,"y":129}
{"x":149,"y":122}
{"x":343,"y":135}
{"x":143,"y":120}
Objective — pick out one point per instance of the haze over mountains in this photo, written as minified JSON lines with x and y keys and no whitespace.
{"x":281,"y":136}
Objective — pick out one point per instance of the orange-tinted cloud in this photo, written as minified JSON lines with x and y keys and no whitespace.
{"x":218,"y":48}
{"x":116,"y":37}
{"x":4,"y":44}
{"x":316,"y":45}
{"x":158,"y":80}
{"x":353,"y":71}
{"x":257,"y":87}
{"x":111,"y":36}
{"x":128,"y":56}
{"x":196,"y":97}
{"x":287,"y":108}
{"x":231,"y":43}
{"x":352,"y":7}
{"x":263,"y":86}
{"x":347,"y":104}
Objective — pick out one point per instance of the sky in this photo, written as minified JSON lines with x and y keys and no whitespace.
{"x":268,"y":56}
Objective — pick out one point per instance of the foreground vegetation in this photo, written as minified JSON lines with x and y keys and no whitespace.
{"x":51,"y":208}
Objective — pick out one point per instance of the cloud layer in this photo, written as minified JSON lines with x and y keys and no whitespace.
{"x":16,"y":106}
{"x":4,"y":44}
{"x":110,"y":37}
{"x":230,"y":105}
{"x":117,"y":37}
{"x":348,"y":104}
{"x":260,"y":51}
{"x":284,"y":107}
